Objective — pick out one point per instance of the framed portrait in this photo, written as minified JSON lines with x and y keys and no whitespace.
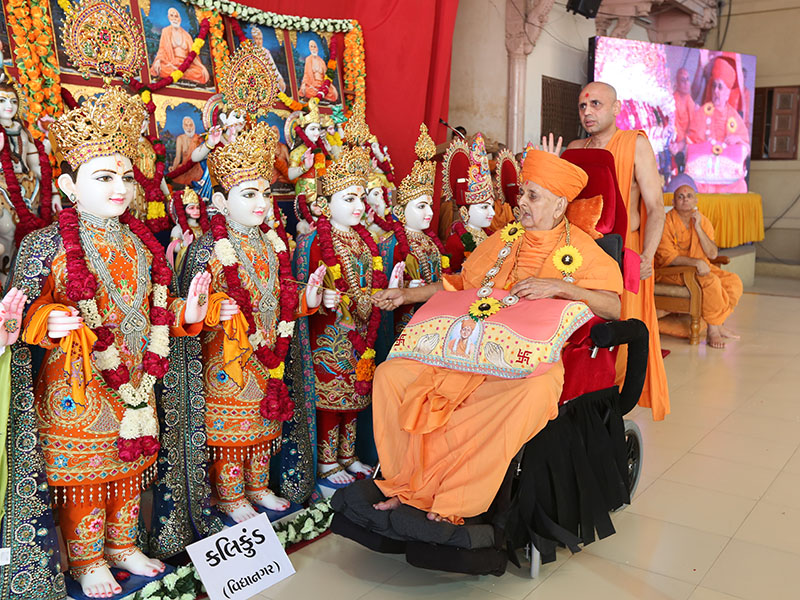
{"x":463,"y":339}
{"x":169,"y":31}
{"x":274,"y":43}
{"x":5,"y":45}
{"x":311,"y":55}
{"x":277,"y":120}
{"x":180,"y":128}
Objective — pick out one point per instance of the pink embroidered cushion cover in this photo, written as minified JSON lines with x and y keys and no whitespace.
{"x":704,"y":166}
{"x":518,"y":341}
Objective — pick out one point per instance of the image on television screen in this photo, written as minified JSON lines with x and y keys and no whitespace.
{"x":696,"y":106}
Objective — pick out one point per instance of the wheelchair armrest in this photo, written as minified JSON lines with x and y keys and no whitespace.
{"x":676,"y":270}
{"x":634,"y":333}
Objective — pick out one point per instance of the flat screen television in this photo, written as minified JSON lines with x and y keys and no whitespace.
{"x":696,"y":106}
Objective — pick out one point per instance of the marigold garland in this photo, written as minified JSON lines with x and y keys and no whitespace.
{"x":27,"y":220}
{"x":156,"y":203}
{"x":220,"y":53}
{"x":355,"y":72}
{"x":276,"y":404}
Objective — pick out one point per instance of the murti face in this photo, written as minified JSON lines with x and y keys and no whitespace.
{"x":103,"y":187}
{"x":313,"y":131}
{"x":347,"y":207}
{"x":376,"y":201}
{"x":192,"y":211}
{"x":480,"y":215}
{"x":539,"y":208}
{"x":8,"y":105}
{"x":250,"y":203}
{"x":419,"y":212}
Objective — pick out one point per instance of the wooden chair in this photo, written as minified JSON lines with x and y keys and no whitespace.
{"x":686,"y":298}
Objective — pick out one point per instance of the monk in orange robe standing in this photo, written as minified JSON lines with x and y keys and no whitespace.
{"x":640,"y":184}
{"x":688,"y":239}
{"x":445,"y":437}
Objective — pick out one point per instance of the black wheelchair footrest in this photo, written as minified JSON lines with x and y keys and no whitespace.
{"x":477,"y":561}
{"x":343,"y":526}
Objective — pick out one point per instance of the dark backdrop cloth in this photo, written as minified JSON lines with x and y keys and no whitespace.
{"x":407,"y":46}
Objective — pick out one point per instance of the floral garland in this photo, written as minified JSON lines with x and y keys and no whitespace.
{"x":156,"y":203}
{"x":139,"y":429}
{"x":27,"y":220}
{"x":308,"y":524}
{"x":34,"y":58}
{"x":276,"y":404}
{"x":355,"y":72}
{"x":45,"y":184}
{"x":385,"y":165}
{"x":183,"y":584}
{"x":363,"y":344}
{"x":271,"y":19}
{"x":180,"y":212}
{"x":465,"y":236}
{"x":220,"y":53}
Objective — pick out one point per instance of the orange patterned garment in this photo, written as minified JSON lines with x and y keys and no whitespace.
{"x":79,"y":439}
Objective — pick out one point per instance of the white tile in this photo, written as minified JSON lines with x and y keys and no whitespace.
{"x":721,"y":475}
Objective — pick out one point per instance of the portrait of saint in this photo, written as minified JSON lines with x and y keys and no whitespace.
{"x":311,"y":63}
{"x":182,"y":133}
{"x":170,"y":28}
{"x":265,"y":37}
{"x":462,"y":339}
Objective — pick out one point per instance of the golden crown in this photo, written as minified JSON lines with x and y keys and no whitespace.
{"x":249,"y":81}
{"x":351,"y":168}
{"x":102,"y":126}
{"x":102,"y":35}
{"x":312,"y":115}
{"x":356,"y":130}
{"x":250,"y":156}
{"x":420,"y":181}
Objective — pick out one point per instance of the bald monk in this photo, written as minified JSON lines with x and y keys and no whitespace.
{"x":688,"y":239}
{"x":445,"y":438}
{"x":640,"y":184}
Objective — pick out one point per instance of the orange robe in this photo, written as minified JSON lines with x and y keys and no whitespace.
{"x":721,"y":289}
{"x":445,"y":438}
{"x":655,"y":394}
{"x":313,"y":78}
{"x":716,"y":127}
{"x":172,"y":56}
{"x":684,"y":109}
{"x":503,"y":215}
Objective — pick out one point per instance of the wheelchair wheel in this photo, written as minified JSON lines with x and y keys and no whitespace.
{"x":634,"y":451}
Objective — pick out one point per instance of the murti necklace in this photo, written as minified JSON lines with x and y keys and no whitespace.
{"x":421,"y":246}
{"x":268,"y":303}
{"x":347,"y":244}
{"x":134,"y":323}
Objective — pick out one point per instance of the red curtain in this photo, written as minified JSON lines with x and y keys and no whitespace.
{"x":407,"y":45}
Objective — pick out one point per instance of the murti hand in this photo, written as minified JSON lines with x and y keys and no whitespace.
{"x":314,"y":288}
{"x":308,"y":160}
{"x":197,"y":299}
{"x":331,"y":298}
{"x":60,"y":323}
{"x":214,"y":136}
{"x":396,"y":279}
{"x":188,"y":238}
{"x":228,"y":309}
{"x":11,"y":316}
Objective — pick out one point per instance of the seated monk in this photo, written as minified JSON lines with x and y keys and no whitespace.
{"x":445,"y":437}
{"x":688,"y":239}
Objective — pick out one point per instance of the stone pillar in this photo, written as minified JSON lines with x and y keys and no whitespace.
{"x":524,"y":22}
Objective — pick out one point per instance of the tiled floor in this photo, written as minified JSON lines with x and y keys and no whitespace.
{"x":716,"y":515}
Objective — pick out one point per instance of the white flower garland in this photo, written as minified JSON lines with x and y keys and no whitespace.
{"x":276,"y":241}
{"x":139,"y":418}
{"x":271,"y":19}
{"x":225,"y":252}
{"x":286,"y":328}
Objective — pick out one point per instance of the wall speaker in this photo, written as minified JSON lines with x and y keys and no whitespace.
{"x":587,"y":8}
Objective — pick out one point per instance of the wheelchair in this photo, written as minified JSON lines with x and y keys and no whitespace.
{"x":563,"y":484}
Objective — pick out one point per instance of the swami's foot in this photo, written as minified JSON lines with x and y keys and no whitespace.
{"x":432,"y":516}
{"x":389,"y":504}
{"x":100,"y":583}
{"x":727,"y":333}
{"x":358,"y":467}
{"x":239,"y":511}
{"x":340,"y":477}
{"x":134,"y":562}
{"x":714,"y":337}
{"x":268,"y":500}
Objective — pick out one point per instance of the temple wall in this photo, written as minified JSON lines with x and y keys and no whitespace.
{"x":768,"y":29}
{"x":479,"y":71}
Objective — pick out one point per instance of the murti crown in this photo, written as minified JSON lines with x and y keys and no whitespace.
{"x":356,"y":130}
{"x":351,"y":168}
{"x":102,"y":126}
{"x":420,"y":181}
{"x":312,"y":116}
{"x":250,"y":156}
{"x":101,"y":35}
{"x":248,"y":81}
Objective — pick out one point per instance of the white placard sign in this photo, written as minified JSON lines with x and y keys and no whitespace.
{"x":239,"y":562}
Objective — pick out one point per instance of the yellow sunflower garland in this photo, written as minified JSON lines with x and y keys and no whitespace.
{"x":512,"y":232}
{"x":483,"y":308}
